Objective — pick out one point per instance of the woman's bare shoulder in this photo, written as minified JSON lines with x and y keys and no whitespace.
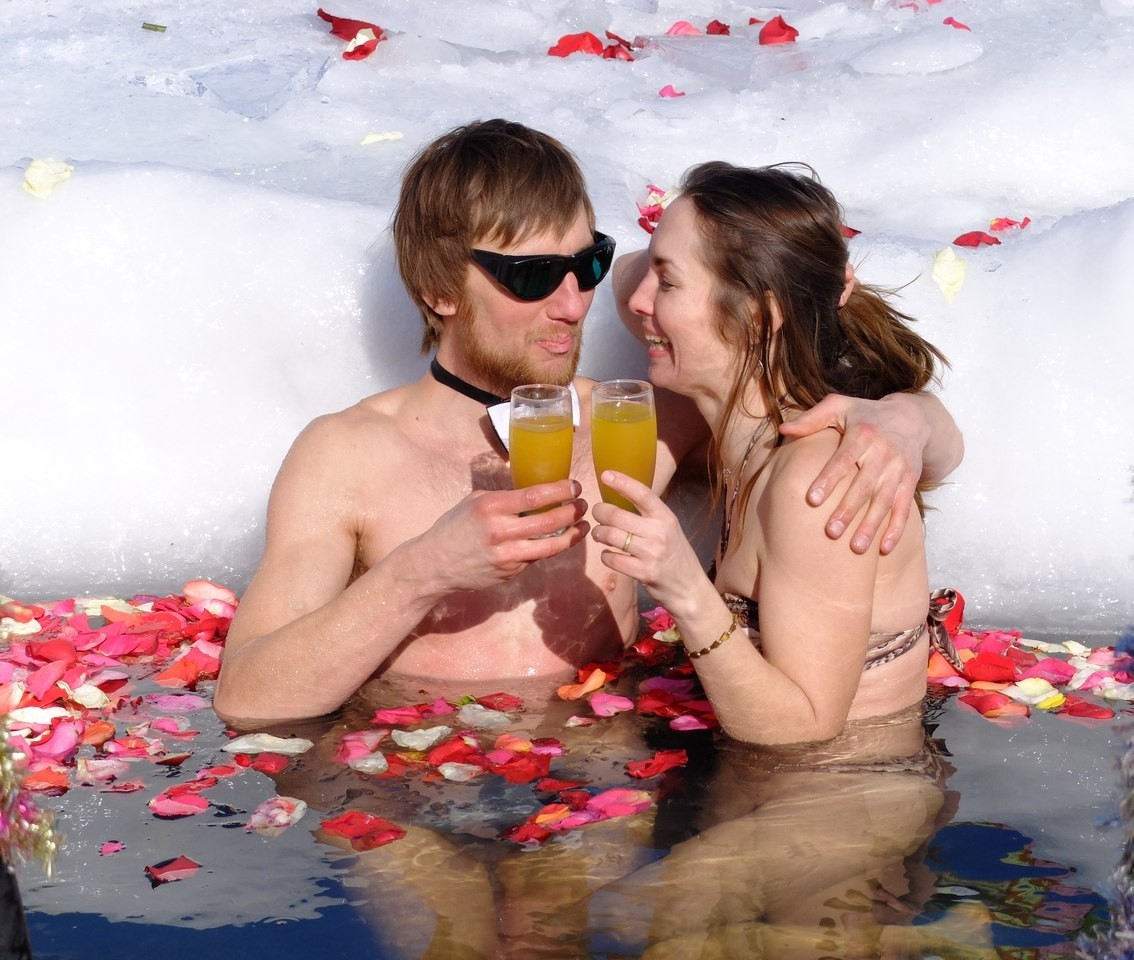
{"x":797,"y":461}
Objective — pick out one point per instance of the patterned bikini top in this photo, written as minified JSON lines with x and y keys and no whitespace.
{"x":881,"y":647}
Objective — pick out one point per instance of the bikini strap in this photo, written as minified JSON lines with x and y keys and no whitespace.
{"x":946,"y":610}
{"x":726,"y":519}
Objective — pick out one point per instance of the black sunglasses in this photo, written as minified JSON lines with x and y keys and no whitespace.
{"x":534,"y":277}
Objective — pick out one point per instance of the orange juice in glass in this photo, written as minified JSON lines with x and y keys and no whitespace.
{"x":624,"y":433}
{"x":540,"y":434}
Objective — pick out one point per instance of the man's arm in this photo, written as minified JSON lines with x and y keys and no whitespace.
{"x":893,"y":443}
{"x":303,"y":640}
{"x":629,"y":270}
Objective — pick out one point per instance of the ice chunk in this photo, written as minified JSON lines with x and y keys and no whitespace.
{"x":254,"y":86}
{"x":725,"y":59}
{"x":919,"y":53}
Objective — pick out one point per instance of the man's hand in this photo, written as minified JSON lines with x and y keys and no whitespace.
{"x":884,"y":441}
{"x":484,"y":541}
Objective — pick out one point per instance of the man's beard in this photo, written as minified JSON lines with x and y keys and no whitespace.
{"x":500,"y":371}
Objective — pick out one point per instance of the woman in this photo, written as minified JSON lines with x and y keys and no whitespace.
{"x":748,"y":305}
{"x":810,"y":844}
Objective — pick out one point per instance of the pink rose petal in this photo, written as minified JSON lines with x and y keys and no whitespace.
{"x":609,"y":704}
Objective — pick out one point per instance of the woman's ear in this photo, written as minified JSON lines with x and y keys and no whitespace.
{"x":848,"y":284}
{"x":775,"y":315}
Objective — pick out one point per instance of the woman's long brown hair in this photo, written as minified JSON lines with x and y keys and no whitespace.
{"x":777,"y":232}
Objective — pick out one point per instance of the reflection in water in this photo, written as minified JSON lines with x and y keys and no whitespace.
{"x":831,"y":853}
{"x":801,"y":853}
{"x":1033,"y":910}
{"x":470,"y":893}
{"x":1117,"y":942}
{"x":845,"y":852}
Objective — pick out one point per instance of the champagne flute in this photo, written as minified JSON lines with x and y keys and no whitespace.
{"x":624,"y":433}
{"x":540,"y":434}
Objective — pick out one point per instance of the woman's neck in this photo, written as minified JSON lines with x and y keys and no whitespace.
{"x":733,"y":430}
{"x":746,"y":444}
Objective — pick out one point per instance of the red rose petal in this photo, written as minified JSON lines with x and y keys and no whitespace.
{"x":576,"y":43}
{"x":660,"y":762}
{"x":501,"y":701}
{"x":777,"y":30}
{"x":170,"y":871}
{"x":976,"y":238}
{"x":363,"y":830}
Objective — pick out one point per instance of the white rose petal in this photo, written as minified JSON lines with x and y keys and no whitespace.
{"x":13,"y":628}
{"x":948,"y":272}
{"x":1032,"y":690}
{"x":482,"y":718}
{"x":373,"y":763}
{"x":421,"y":739}
{"x":266,"y":743}
{"x":37,"y":715}
{"x":459,"y":772}
{"x":89,"y":696}
{"x":1113,"y":690}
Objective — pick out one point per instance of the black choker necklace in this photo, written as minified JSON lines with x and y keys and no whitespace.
{"x":451,"y":380}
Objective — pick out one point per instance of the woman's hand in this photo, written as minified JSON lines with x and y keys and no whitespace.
{"x":649,"y":546}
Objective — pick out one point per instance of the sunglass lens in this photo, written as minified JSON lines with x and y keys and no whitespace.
{"x":591,"y":272}
{"x":602,"y":261}
{"x":537,"y":279}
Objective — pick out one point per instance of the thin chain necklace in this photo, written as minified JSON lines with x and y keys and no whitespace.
{"x":726,"y":528}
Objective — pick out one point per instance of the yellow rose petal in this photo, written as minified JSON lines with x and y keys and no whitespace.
{"x":948,"y":272}
{"x":43,"y":176}
{"x":1034,"y":687}
{"x":1036,"y":691}
{"x":379,"y":137}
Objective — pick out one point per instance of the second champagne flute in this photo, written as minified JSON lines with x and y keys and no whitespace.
{"x":624,"y":433}
{"x":540,"y":435}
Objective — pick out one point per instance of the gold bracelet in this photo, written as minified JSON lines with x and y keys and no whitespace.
{"x":694,"y":654}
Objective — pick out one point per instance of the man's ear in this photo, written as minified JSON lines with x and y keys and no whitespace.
{"x":441,"y":306}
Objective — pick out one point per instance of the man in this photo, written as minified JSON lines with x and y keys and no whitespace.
{"x":395,"y":546}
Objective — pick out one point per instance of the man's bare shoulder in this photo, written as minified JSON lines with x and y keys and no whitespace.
{"x":336,"y":452}
{"x":372,"y":417}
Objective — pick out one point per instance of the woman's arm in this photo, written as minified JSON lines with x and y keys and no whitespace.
{"x":815,"y":608}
